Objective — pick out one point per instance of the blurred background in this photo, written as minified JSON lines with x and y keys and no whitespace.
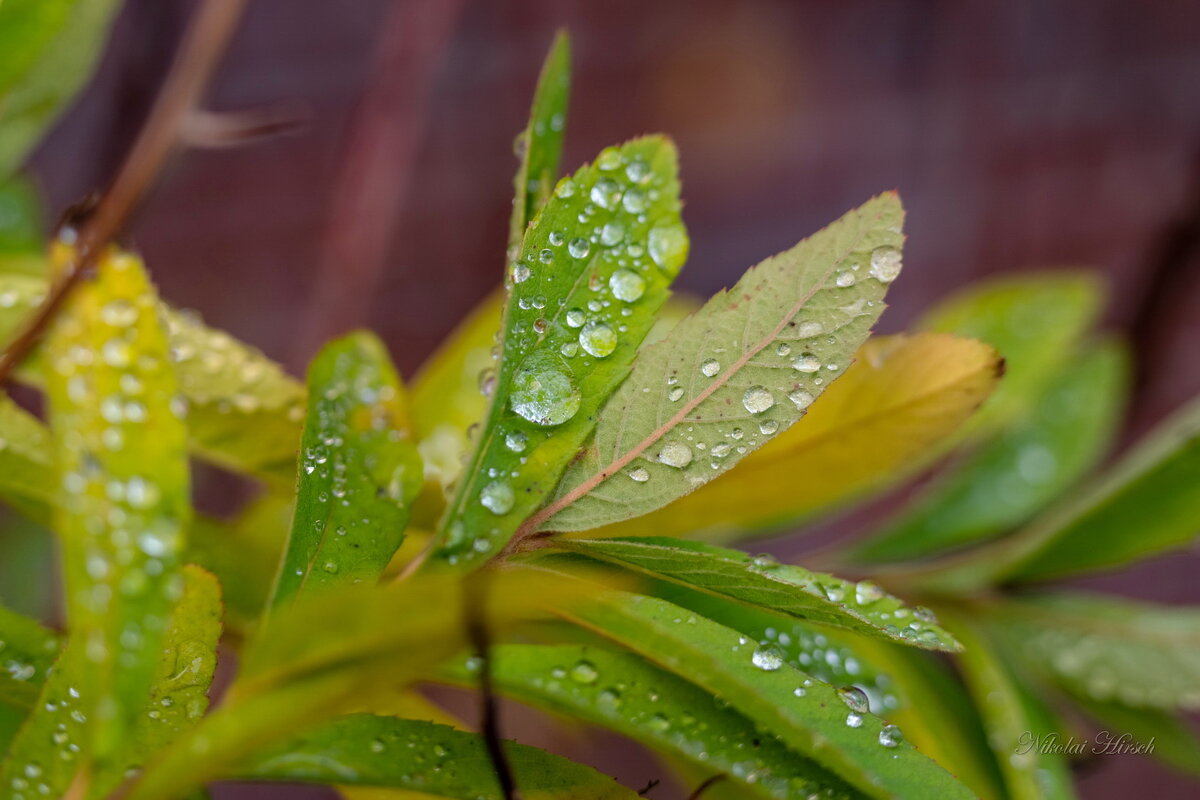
{"x":1021,"y":135}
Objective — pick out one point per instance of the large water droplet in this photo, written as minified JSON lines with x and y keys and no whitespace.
{"x":578,"y":248}
{"x":584,"y":672}
{"x":605,"y":193}
{"x":668,"y":245}
{"x":543,"y":394}
{"x":867,"y":592}
{"x":890,"y":736}
{"x":800,"y":398}
{"x":806,"y":362}
{"x":639,"y":474}
{"x":855,"y":698}
{"x":757,"y":399}
{"x":626,"y":285}
{"x":516,"y":441}
{"x":845,"y":278}
{"x":675,"y":454}
{"x":886,"y":263}
{"x":497,"y":497}
{"x":710,"y":367}
{"x":854,"y":720}
{"x":520,"y":272}
{"x":611,"y":233}
{"x":768,"y":657}
{"x":658,"y":723}
{"x":598,"y":339}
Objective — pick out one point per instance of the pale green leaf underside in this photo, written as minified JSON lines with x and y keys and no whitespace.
{"x":781,"y":588}
{"x":359,"y":471}
{"x":734,"y":374}
{"x":365,"y":750}
{"x":1137,"y":654}
{"x":815,"y":724}
{"x":625,"y":693}
{"x":593,"y":270}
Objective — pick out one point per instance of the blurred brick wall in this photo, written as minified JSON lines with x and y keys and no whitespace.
{"x":1021,"y":135}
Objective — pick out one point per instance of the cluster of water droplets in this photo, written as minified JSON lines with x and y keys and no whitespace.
{"x":560,"y":329}
{"x":217,"y":371}
{"x":47,"y":773}
{"x":113,"y":393}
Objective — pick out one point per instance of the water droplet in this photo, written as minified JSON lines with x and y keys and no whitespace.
{"x":890,"y":736}
{"x":809,"y":329}
{"x":886,"y":263}
{"x":610,"y":698}
{"x":543,"y":394}
{"x":855,"y":698}
{"x":867,"y":592}
{"x":578,"y":248}
{"x":330,"y":567}
{"x":668,"y":246}
{"x":378,"y":746}
{"x":768,"y":657}
{"x":609,"y":159}
{"x":757,"y":399}
{"x":575,"y":318}
{"x":675,"y":454}
{"x":806,"y":362}
{"x":710,"y":367}
{"x":605,"y":193}
{"x":612,"y":233}
{"x":546,"y":256}
{"x":845,"y":278}
{"x":721,"y":449}
{"x":634,"y":201}
{"x":487,"y":382}
{"x":675,"y":394}
{"x":639,"y":474}
{"x":516,"y":441}
{"x":768,"y":427}
{"x":565,"y":188}
{"x":598,"y":339}
{"x":854,"y":720}
{"x":764,"y":561}
{"x":925,"y":615}
{"x":627,"y":285}
{"x":584,"y":672}
{"x":783,"y":349}
{"x":520,"y":272}
{"x":497,"y":497}
{"x":800,"y":398}
{"x":658,"y":723}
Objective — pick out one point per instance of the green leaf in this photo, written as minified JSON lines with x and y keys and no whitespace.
{"x":359,"y":471}
{"x":765,"y":583}
{"x":1144,"y":505}
{"x":626,"y":694}
{"x":733,"y":375}
{"x":120,"y":444}
{"x":756,"y":681}
{"x":1017,"y":721}
{"x":319,"y":655}
{"x":20,"y":220}
{"x":1034,"y":320}
{"x":541,"y":142}
{"x":1173,"y":741}
{"x":26,"y":652}
{"x":47,"y":49}
{"x":1026,"y":466}
{"x":583,"y":294}
{"x":27,"y":476}
{"x":366,"y":750}
{"x":1109,"y":649}
{"x":179,"y":694}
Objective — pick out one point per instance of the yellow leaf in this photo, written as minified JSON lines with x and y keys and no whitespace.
{"x":893,"y":411}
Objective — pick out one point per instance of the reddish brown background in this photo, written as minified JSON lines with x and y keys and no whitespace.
{"x":1020,"y":134}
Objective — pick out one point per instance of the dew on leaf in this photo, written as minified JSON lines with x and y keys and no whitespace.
{"x":675,"y":454}
{"x":886,"y":263}
{"x":806,"y":362}
{"x":675,"y":394}
{"x":845,"y":278}
{"x":854,"y":720}
{"x":710,"y":367}
{"x":757,"y":399}
{"x":598,"y":339}
{"x":658,"y":723}
{"x":800,"y":398}
{"x":605,"y":193}
{"x":867,"y":592}
{"x":768,"y":427}
{"x":497,"y":497}
{"x":768,"y":657}
{"x":639,"y":474}
{"x":890,"y":736}
{"x":543,"y":394}
{"x":611,"y":233}
{"x":627,"y":285}
{"x":584,"y":672}
{"x":809,"y":329}
{"x":575,"y":318}
{"x":855,"y":698}
{"x":668,"y":246}
{"x":578,"y":248}
{"x":516,"y":441}
{"x":520,"y":272}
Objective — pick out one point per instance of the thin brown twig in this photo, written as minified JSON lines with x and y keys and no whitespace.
{"x":708,"y":784}
{"x":475,"y":611}
{"x":205,"y":41}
